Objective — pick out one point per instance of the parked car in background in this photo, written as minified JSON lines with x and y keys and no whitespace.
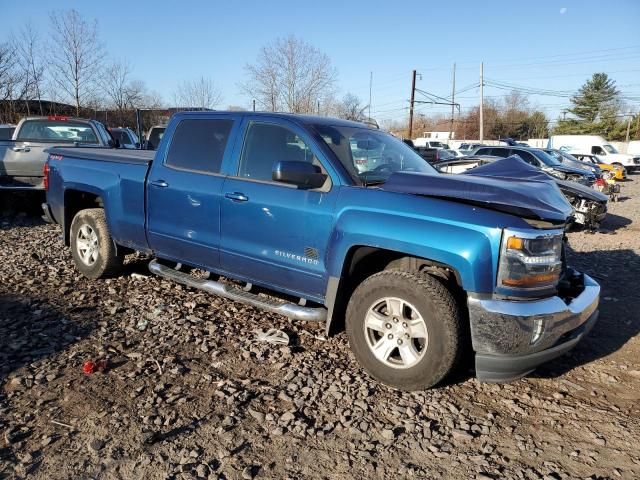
{"x":154,"y":136}
{"x":432,"y":155}
{"x":126,"y":137}
{"x":571,"y":161}
{"x":6,"y":131}
{"x":542,"y":160}
{"x":619,"y":172}
{"x":417,"y":264}
{"x":468,"y":148}
{"x":595,"y":145}
{"x":22,"y":158}
{"x":590,"y":206}
{"x":634,"y":147}
{"x":428,"y":143}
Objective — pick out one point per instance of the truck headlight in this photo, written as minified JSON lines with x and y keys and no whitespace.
{"x":529,"y":261}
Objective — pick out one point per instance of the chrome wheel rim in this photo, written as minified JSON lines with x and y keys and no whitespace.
{"x":396,"y":333}
{"x":87,"y":245}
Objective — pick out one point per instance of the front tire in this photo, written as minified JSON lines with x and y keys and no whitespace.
{"x":404,"y":328}
{"x":93,"y":250}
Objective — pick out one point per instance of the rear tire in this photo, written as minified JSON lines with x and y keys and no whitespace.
{"x":94,"y":252}
{"x":405,"y":329}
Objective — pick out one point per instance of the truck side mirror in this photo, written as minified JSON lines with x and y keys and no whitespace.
{"x":301,"y":174}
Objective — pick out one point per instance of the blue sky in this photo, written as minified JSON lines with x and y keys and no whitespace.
{"x":553,"y":45}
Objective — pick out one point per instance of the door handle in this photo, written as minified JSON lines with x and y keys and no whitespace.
{"x":21,"y":149}
{"x":236,"y":196}
{"x":159,"y":183}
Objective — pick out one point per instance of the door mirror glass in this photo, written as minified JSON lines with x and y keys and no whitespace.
{"x":301,"y":174}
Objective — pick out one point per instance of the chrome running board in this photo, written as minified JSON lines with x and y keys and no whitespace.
{"x":287,"y":309}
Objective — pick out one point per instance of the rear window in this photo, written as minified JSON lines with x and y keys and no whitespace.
{"x":122,"y":136}
{"x":199,"y":144}
{"x":56,"y":132}
{"x":155,"y":135}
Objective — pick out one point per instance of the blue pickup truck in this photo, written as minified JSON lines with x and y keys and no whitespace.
{"x":416,"y":266}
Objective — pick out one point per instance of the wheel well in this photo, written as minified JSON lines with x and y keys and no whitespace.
{"x":74,"y":201}
{"x":361,"y":262}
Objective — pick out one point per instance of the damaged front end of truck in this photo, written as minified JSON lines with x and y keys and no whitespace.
{"x":539,"y":307}
{"x":589,"y":205}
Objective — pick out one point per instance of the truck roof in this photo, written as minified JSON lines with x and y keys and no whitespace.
{"x":296,"y":117}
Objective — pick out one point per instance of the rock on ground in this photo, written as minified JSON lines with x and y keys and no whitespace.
{"x":186,"y":391}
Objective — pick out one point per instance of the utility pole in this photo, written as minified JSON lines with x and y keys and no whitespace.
{"x":453,"y":102}
{"x":370,"y":85}
{"x":318,"y":107}
{"x":481,"y":102}
{"x":413,"y":94}
{"x":628,"y":127}
{"x":254,"y":104}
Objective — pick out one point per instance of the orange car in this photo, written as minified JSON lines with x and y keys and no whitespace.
{"x":620,"y":173}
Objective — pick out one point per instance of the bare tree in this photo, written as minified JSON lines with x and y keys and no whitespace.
{"x":351,"y":108}
{"x":77,"y":55}
{"x":152,"y":100}
{"x":8,"y":62}
{"x":199,"y":93}
{"x":290,"y":74}
{"x":10,"y":79}
{"x":114,"y":82}
{"x":31,"y":67}
{"x":121,"y":90}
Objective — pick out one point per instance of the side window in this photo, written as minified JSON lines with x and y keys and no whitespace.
{"x":500,"y":152}
{"x":527,"y":157}
{"x":483,"y":151}
{"x":199,"y":144}
{"x":597,"y":150}
{"x":265,"y":145}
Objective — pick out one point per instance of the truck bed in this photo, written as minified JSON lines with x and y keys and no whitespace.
{"x":118,"y":155}
{"x":116,"y":176}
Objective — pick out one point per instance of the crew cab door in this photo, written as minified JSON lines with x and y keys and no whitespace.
{"x":273,"y":233}
{"x":184,"y":189}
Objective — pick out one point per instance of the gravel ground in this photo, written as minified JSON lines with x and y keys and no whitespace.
{"x":189,"y":393}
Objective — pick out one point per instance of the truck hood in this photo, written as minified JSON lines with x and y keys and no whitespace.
{"x":509,"y":185}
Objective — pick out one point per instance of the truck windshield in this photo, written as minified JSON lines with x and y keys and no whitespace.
{"x":371,"y":156}
{"x":609,"y":148}
{"x":56,"y":131}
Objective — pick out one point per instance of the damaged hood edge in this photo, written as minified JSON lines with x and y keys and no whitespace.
{"x":509,"y":186}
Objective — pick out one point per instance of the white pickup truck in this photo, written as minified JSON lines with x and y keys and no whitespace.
{"x":22,"y":158}
{"x":595,"y":145}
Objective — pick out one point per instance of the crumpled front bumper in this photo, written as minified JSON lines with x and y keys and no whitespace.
{"x":511,"y":338}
